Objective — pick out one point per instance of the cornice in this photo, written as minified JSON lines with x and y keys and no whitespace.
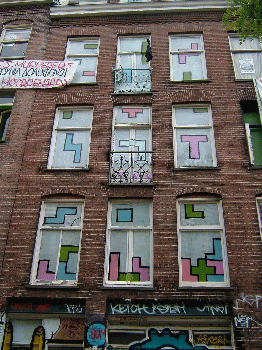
{"x":7,"y":3}
{"x":101,"y":8}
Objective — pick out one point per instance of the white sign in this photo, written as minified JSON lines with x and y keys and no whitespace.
{"x":36,"y":74}
{"x":247,"y":66}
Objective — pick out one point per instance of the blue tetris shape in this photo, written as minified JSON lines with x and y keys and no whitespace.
{"x":63,"y":275}
{"x":217,"y":250}
{"x":70,"y":146}
{"x":60,"y":215}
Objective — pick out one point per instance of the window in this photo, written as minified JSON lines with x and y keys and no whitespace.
{"x":194,"y":144}
{"x":14,"y":42}
{"x":6,"y":102}
{"x":58,"y":243}
{"x":85,"y":52}
{"x":129,"y":243}
{"x":247,"y":57}
{"x":131,"y":156}
{"x":259,"y":209}
{"x":253,"y":131}
{"x":202,"y":247}
{"x":187,"y":58}
{"x":132,"y":73}
{"x":71,"y":138}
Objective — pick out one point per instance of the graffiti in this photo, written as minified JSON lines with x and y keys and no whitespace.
{"x":242,"y":321}
{"x":251,"y":300}
{"x":22,"y":306}
{"x":217,"y":340}
{"x":43,"y":308}
{"x":96,"y":334}
{"x":74,"y":308}
{"x":214,"y":309}
{"x":36,"y":74}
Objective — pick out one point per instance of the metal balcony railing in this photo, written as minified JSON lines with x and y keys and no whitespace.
{"x":131,"y":168}
{"x":132,"y":80}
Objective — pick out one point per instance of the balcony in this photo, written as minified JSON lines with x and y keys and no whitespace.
{"x":131,"y":168}
{"x":132,"y":80}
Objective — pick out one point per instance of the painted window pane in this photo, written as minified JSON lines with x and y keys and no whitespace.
{"x":71,"y":139}
{"x":129,"y":251}
{"x":14,"y":42}
{"x":132,"y":44}
{"x":131,"y":115}
{"x":187,"y":58}
{"x":193,"y":137}
{"x":85,"y":52}
{"x":247,"y":57}
{"x":202,"y":247}
{"x":57,"y":249}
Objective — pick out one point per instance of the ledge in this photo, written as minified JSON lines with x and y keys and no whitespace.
{"x":131,"y":184}
{"x":48,"y":286}
{"x":136,"y":93}
{"x":215,"y":168}
{"x":129,"y":288}
{"x":207,"y":288}
{"x":24,"y":2}
{"x":190,"y":81}
{"x":255,"y":167}
{"x":47,"y":170}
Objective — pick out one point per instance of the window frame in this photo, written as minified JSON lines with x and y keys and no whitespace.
{"x":218,"y":228}
{"x":38,"y":242}
{"x":75,"y":55}
{"x":259,"y":213}
{"x":2,"y":41}
{"x":5,"y":107}
{"x":209,"y":126}
{"x":58,"y":112}
{"x":236,"y":51}
{"x":130,"y":231}
{"x":201,"y":51}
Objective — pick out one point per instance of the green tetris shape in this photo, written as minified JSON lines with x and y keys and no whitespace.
{"x":129,"y":277}
{"x":202,"y":270}
{"x":90,"y":46}
{"x":64,"y":252}
{"x":190,"y":213}
{"x":67,"y":114}
{"x":144,"y":47}
{"x":200,"y":110}
{"x":187,"y":76}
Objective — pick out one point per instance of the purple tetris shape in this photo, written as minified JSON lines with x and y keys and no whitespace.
{"x":144,"y":271}
{"x":194,"y":144}
{"x":182,"y":56}
{"x":114,"y":266}
{"x":42,"y":271}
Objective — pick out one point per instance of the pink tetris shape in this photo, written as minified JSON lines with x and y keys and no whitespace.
{"x":114,"y":266}
{"x":218,"y":265}
{"x":186,"y":276}
{"x":89,"y":73}
{"x":132,"y":111}
{"x":42,"y":271}
{"x":182,"y":56}
{"x":144,"y":271}
{"x":194,"y":144}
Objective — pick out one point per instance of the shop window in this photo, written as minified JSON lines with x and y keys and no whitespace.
{"x":202,"y":246}
{"x":6,"y":103}
{"x":253,"y":131}
{"x":57,"y":247}
{"x":70,"y":142}
{"x":131,"y":156}
{"x":132,"y":72}
{"x":129,"y":243}
{"x":246,"y":56}
{"x":85,"y":52}
{"x":14,"y":42}
{"x":187,"y":58}
{"x":194,"y":144}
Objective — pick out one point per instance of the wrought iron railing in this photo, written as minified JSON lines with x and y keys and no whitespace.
{"x":131,"y":167}
{"x":132,"y":80}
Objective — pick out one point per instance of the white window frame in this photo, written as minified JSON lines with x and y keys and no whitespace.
{"x":235,"y":51}
{"x":259,"y":214}
{"x":41,"y":228}
{"x":129,"y":231}
{"x":201,"y":51}
{"x":8,"y":106}
{"x":192,"y":127}
{"x":59,"y":111}
{"x":219,"y":228}
{"x":3,"y":41}
{"x":68,"y":55}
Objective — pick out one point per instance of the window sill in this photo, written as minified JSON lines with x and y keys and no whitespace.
{"x":255,"y":167}
{"x":129,"y":287}
{"x":132,"y":93}
{"x":91,"y":83}
{"x":64,"y":169}
{"x":51,"y":286}
{"x":151,"y":184}
{"x":190,"y":81}
{"x":216,"y":168}
{"x":206,"y":288}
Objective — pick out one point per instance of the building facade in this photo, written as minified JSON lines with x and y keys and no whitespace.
{"x":131,"y":196}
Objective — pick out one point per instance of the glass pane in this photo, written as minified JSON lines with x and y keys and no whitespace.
{"x":4,"y":119}
{"x":247,"y":65}
{"x":71,"y":149}
{"x":13,"y":50}
{"x":141,"y":248}
{"x":85,"y":47}
{"x":140,"y":214}
{"x":131,"y":44}
{"x":17,"y":34}
{"x":64,"y":215}
{"x":187,"y":66}
{"x":86,"y":69}
{"x":75,"y":118}
{"x":202,"y":258}
{"x":125,"y":61}
{"x":7,"y":98}
{"x":141,"y":143}
{"x":132,"y":115}
{"x":194,"y":147}
{"x":198,"y":214}
{"x":256,"y":137}
{"x":192,"y":116}
{"x":245,"y":45}
{"x":23,"y":330}
{"x":252,"y":118}
{"x":118,"y":254}
{"x":48,"y":256}
{"x":185,"y":43}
